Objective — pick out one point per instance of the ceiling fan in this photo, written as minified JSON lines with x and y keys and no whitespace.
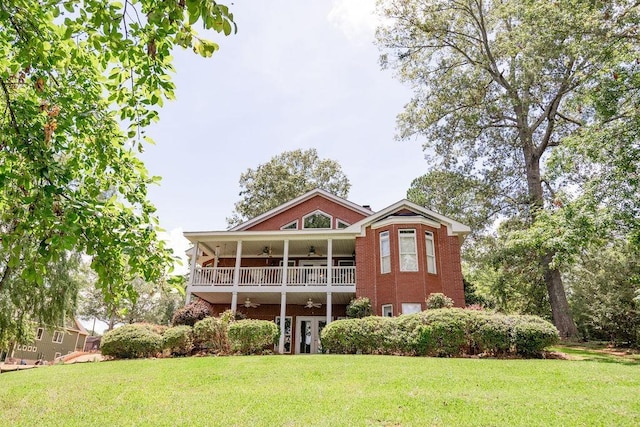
{"x":313,"y":251}
{"x":266,"y":251}
{"x":311,"y":304}
{"x":249,"y":304}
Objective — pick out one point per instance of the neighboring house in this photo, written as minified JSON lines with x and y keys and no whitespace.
{"x":334,"y":250}
{"x":49,"y":344}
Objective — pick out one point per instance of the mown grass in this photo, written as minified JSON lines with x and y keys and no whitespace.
{"x":326,"y":390}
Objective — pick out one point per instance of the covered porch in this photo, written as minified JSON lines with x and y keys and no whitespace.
{"x":306,"y":278}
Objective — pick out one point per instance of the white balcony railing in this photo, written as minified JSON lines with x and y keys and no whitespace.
{"x":272,"y":276}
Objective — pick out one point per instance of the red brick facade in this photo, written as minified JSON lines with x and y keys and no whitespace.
{"x":397,"y":287}
{"x":298,"y":212}
{"x":265,"y":245}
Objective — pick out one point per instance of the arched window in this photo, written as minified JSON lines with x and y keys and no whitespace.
{"x":317,"y":219}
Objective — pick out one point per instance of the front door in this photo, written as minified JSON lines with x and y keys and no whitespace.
{"x":308,"y":334}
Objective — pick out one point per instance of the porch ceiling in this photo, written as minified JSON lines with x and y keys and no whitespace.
{"x":297,"y":248}
{"x":274,"y":297}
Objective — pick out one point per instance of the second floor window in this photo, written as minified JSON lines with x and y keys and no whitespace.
{"x":408,"y":250}
{"x":431,"y":253}
{"x":385,"y":253}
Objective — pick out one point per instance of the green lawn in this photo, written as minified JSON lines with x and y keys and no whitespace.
{"x":330,"y":390}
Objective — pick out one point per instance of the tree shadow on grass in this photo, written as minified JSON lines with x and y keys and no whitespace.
{"x":599,"y":352}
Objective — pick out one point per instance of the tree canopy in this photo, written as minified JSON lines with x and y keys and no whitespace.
{"x":80,"y":80}
{"x":285,"y":177}
{"x":498,"y":85}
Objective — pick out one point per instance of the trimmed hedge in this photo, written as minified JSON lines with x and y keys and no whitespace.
{"x":178,"y":340}
{"x":253,"y":336}
{"x":531,"y":337}
{"x":442,"y":333}
{"x":210,"y":334}
{"x":131,"y":341}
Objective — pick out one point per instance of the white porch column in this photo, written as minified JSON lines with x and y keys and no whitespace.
{"x":285,"y":263}
{"x":236,"y":272}
{"x":234,"y":301}
{"x":283,"y":315}
{"x":194,"y":261}
{"x":329,"y":262}
{"x":329,"y":278}
{"x":192,"y":273}
{"x":236,"y":277}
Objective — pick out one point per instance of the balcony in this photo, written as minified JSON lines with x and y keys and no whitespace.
{"x":343,"y":278}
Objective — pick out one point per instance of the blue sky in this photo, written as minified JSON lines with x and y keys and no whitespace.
{"x":298,"y":74}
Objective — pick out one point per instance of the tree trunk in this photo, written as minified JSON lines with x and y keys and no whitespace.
{"x":562,"y":318}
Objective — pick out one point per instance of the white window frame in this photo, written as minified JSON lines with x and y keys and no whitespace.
{"x":290,"y":262}
{"x":430,"y":252}
{"x":406,"y":232}
{"x":411,"y":307}
{"x":56,"y":355}
{"x":340,"y":222}
{"x":317,"y":212}
{"x":39,"y":334}
{"x":384,"y":237}
{"x":58,"y":337}
{"x":387,"y":310}
{"x":346,"y":263}
{"x":288,"y":226}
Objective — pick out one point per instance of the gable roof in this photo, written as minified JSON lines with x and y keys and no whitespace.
{"x":453,"y":227}
{"x":298,"y":200}
{"x":75,"y":326}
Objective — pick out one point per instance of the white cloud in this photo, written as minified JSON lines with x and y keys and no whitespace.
{"x":356,"y":19}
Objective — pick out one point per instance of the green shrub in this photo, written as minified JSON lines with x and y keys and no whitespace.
{"x":423,"y":342}
{"x":229,"y":316}
{"x":210,"y":334}
{"x":438,"y":300}
{"x":448,"y":337}
{"x":178,"y":340}
{"x":410,"y":340}
{"x":191,"y":313}
{"x":359,"y":307}
{"x":252,"y":336}
{"x":493,"y":334}
{"x":375,"y":335}
{"x":336,"y":337}
{"x":530,"y":337}
{"x":131,"y":341}
{"x":440,"y":332}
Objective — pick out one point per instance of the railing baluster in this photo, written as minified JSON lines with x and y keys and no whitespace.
{"x":272,"y":276}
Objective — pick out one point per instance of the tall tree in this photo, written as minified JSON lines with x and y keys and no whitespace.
{"x":465,"y":198}
{"x":285,"y":177}
{"x":59,"y":289}
{"x":153,"y":304}
{"x":499,"y":84}
{"x":79,"y":82}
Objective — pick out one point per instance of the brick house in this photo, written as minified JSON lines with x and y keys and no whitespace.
{"x":306,"y":259}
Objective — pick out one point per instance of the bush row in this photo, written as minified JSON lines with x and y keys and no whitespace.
{"x":211,"y":335}
{"x":442,"y":332}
